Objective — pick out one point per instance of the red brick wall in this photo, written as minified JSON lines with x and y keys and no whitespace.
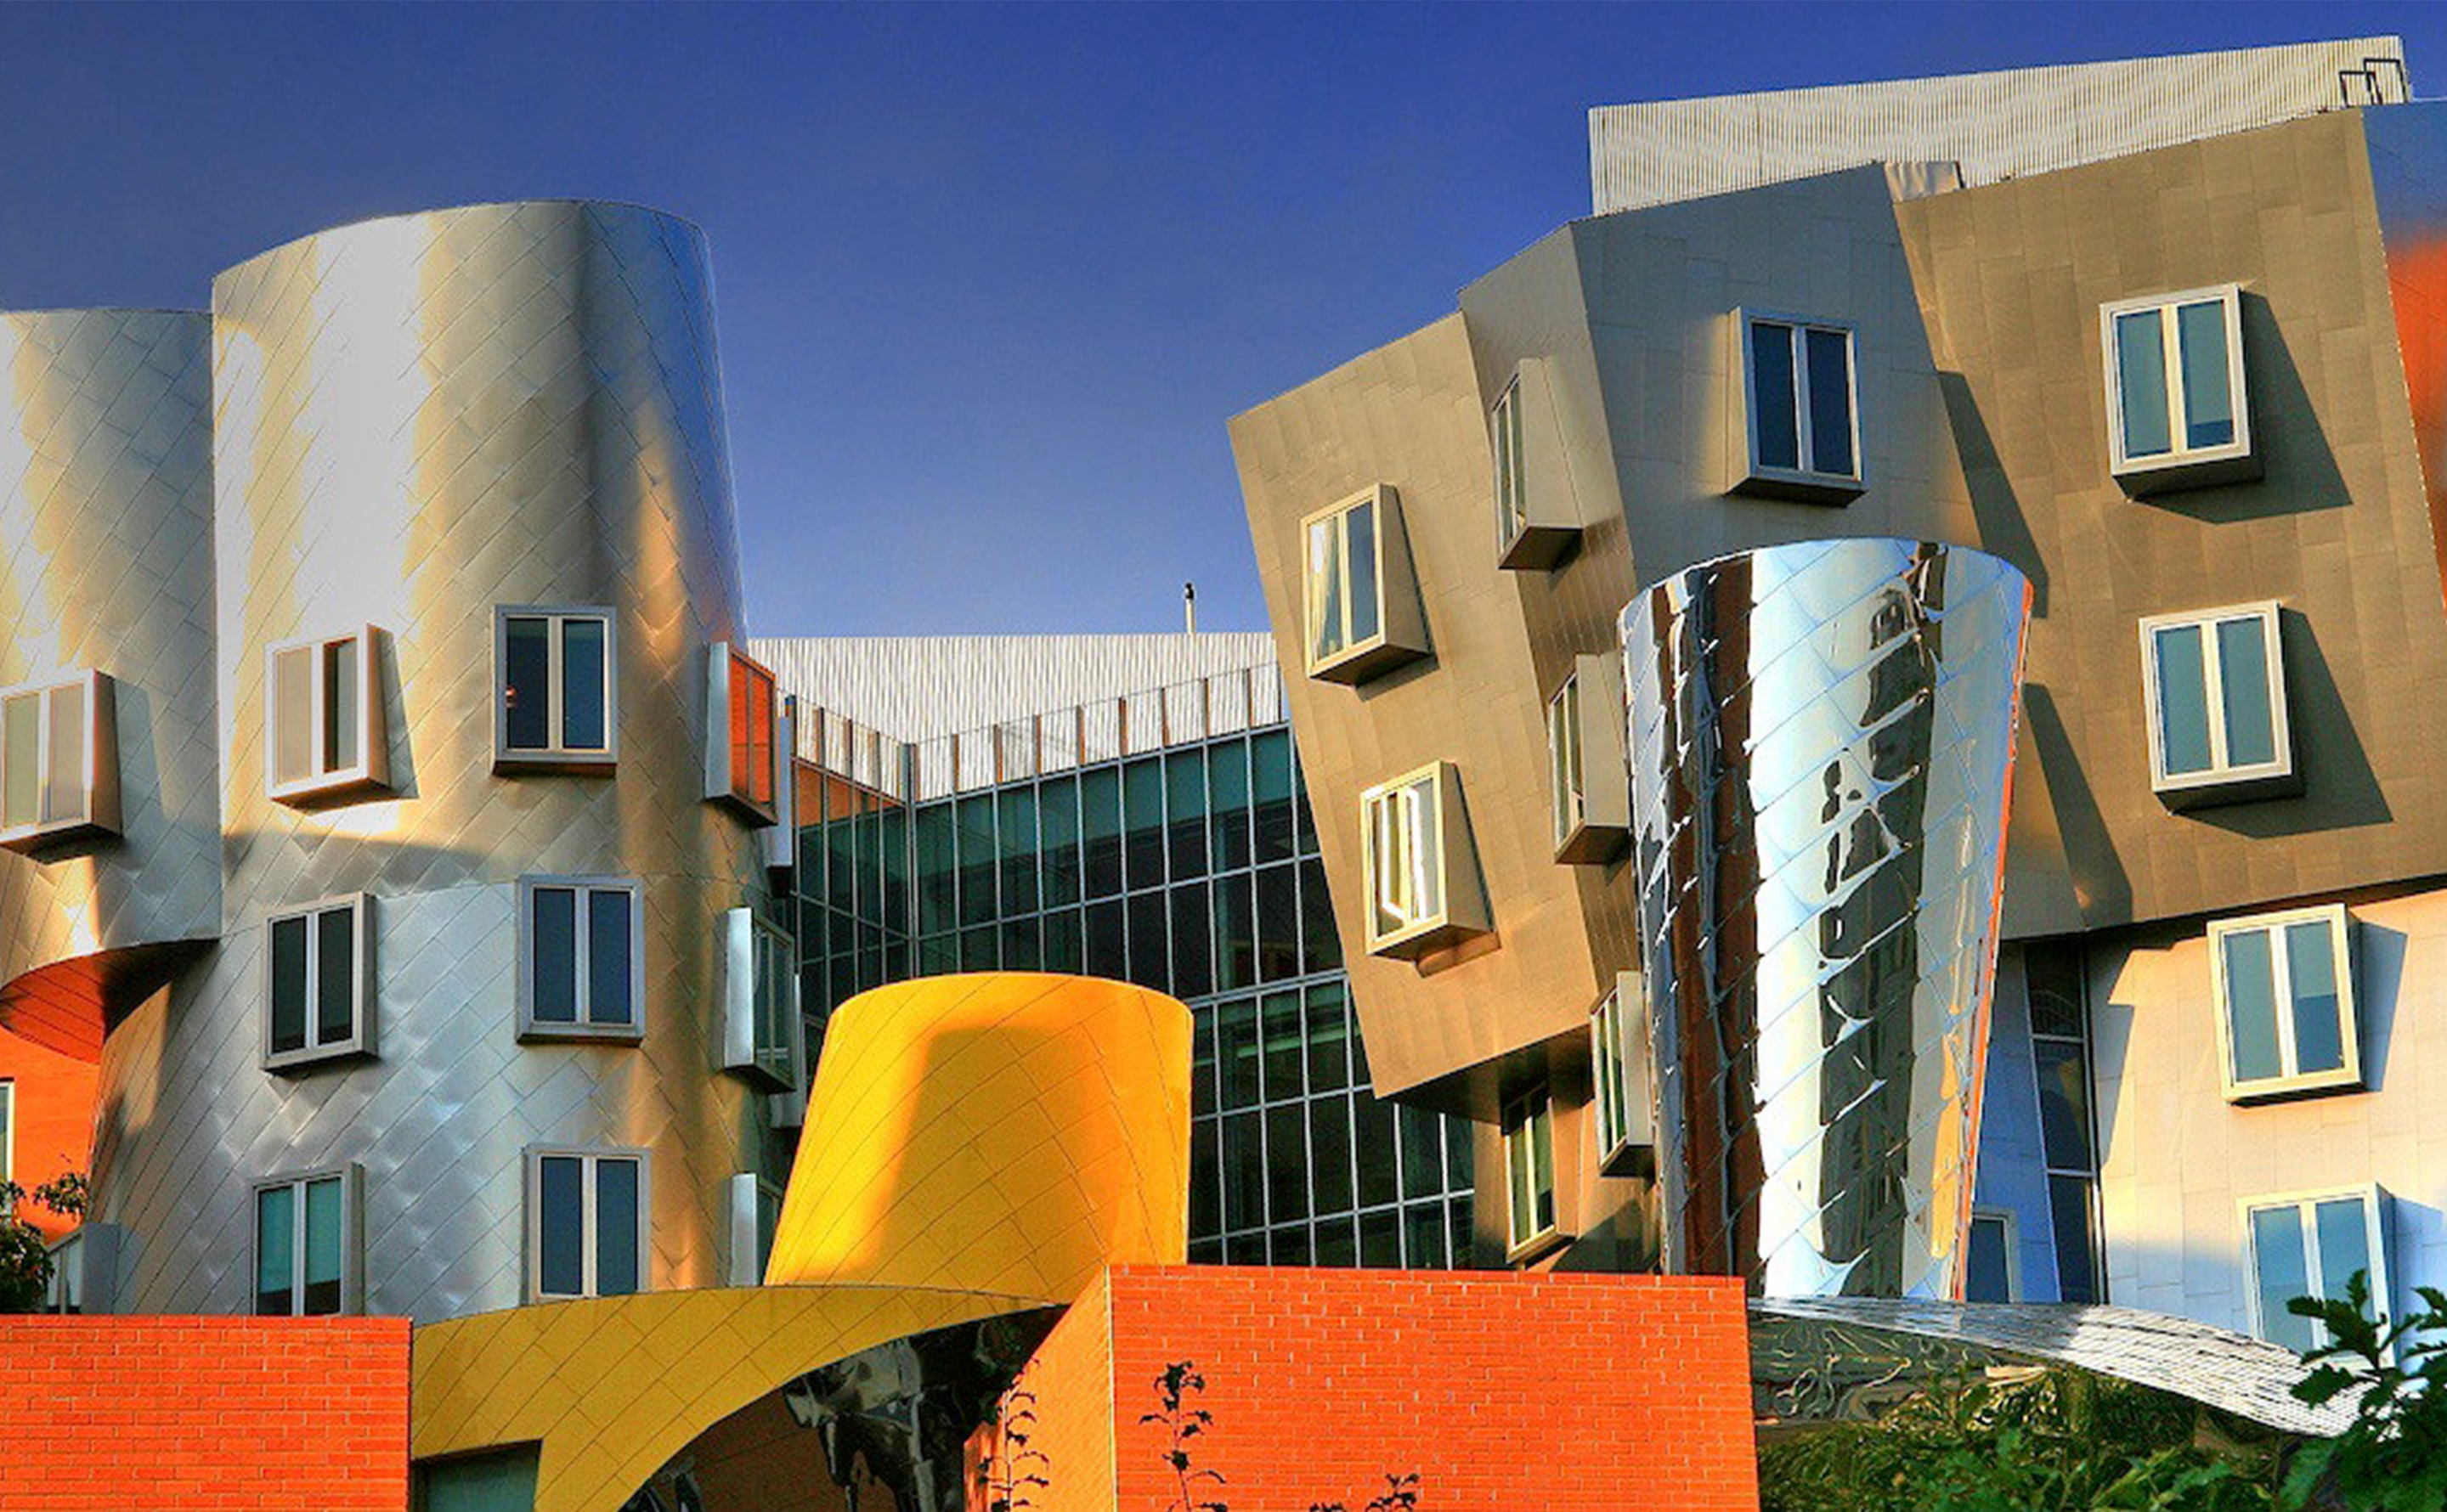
{"x":1501,"y":1391}
{"x":54,"y":1118}
{"x":166,"y":1414}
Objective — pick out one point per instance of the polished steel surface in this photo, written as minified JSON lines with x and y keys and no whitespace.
{"x":419,"y":418}
{"x":106,"y":564}
{"x":1821,"y":737}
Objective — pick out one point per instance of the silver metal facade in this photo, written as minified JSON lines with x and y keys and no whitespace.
{"x":1820,"y":741}
{"x":418,"y":419}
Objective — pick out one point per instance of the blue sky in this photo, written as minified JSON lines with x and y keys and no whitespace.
{"x":990,"y":279}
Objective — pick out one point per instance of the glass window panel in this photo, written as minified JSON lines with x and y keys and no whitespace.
{"x":526,"y":672}
{"x":616,"y":1227}
{"x":1303,"y":822}
{"x":1236,"y":932}
{"x":1329,"y":1034}
{"x":2076,"y":1250}
{"x":1520,"y":1185}
{"x":2064,"y":1105}
{"x":1423,"y":1153}
{"x":1323,"y":588}
{"x":289,"y":993}
{"x":1830,"y":402}
{"x":21,"y":752}
{"x":1236,"y":1045}
{"x":2311,"y":976}
{"x":1193,"y":965}
{"x":2243,"y":688}
{"x":1775,"y":427}
{"x":980,"y":948}
{"x":560,"y":1256}
{"x":1457,"y":1231}
{"x":1423,"y":1236}
{"x":1459,"y":1131}
{"x":335,"y":975}
{"x":1245,"y":1248}
{"x":1284,"y":1046}
{"x":585,"y":685}
{"x":1286,"y":1162}
{"x":1228,"y":801}
{"x":1380,"y":1240}
{"x":979,"y":859}
{"x":1150,"y":965}
{"x":2141,"y":384}
{"x":2209,"y":394}
{"x":293,"y":715}
{"x":1064,"y":949}
{"x":1359,"y":542}
{"x":64,"y":774}
{"x":2183,"y":700}
{"x":1563,"y":758}
{"x":323,"y":1226}
{"x":2251,"y":1004}
{"x":2343,"y":1229}
{"x":1058,"y":822}
{"x":1016,"y":817}
{"x":892,"y":833}
{"x":553,"y":948}
{"x":1202,"y":1061}
{"x":2283,"y":1275}
{"x":1245,"y":1173}
{"x":1100,"y":808}
{"x":1542,"y":1162}
{"x":1107,"y":954}
{"x":1143,"y":822}
{"x":1184,"y":788}
{"x":2053,"y":976}
{"x":1205,"y":1180}
{"x":340,"y":705}
{"x":610,"y":936}
{"x":1270,"y":760}
{"x":937,"y":891}
{"x":1336,"y":1245}
{"x":1988,"y":1277}
{"x":1019,"y":946}
{"x":1321,"y":948}
{"x":1329,"y":1130}
{"x":1278,"y":923}
{"x":757,"y":760}
{"x":1375,"y":1137}
{"x":275,"y":1251}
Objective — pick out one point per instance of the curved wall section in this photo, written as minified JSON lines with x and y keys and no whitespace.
{"x":106,"y":564}
{"x":419,"y":420}
{"x":1821,"y":739}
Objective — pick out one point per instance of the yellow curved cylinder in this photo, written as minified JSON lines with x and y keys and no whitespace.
{"x":1006,"y":1132}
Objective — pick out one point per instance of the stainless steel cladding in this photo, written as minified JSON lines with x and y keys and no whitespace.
{"x":105,"y":506}
{"x":419,"y":421}
{"x":1821,"y":736}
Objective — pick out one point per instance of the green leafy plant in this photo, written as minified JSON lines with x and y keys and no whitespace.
{"x":2392,"y":1456}
{"x":25,"y":1257}
{"x":1015,"y":1471}
{"x":1184,"y":1420}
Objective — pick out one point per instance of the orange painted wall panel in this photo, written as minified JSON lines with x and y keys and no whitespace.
{"x":165,"y":1414}
{"x":54,"y":1117}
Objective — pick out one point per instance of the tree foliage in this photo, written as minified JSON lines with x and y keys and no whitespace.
{"x":25,"y":1257}
{"x":2393,"y":1457}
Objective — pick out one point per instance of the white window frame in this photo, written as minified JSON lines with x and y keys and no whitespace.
{"x":2180,"y":456}
{"x":1521,"y":1115}
{"x":1423,"y":803}
{"x":2290,"y":1082}
{"x":1506,"y":433}
{"x":360,"y":1040}
{"x":353,"y":1269}
{"x":2220,"y":773}
{"x":1623,"y":1114}
{"x":749,"y":1196}
{"x":99,"y":813}
{"x":591,"y":1156}
{"x":1566,"y":762}
{"x":2006,"y":1219}
{"x":723,"y":782}
{"x":1804,"y":476}
{"x":584,"y":1027}
{"x":1401,"y":631}
{"x":2377,"y":1226}
{"x":779,"y":1063}
{"x":66,"y":1293}
{"x":555,"y":756}
{"x":370,"y":771}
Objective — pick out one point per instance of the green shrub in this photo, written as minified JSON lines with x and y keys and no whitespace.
{"x":2393,"y":1457}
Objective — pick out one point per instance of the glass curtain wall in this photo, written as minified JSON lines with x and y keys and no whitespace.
{"x":1192,"y":871}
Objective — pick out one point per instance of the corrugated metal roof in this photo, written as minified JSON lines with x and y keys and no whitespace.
{"x":1997,"y":126}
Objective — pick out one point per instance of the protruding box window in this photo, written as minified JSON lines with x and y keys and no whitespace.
{"x":2176,"y":409}
{"x":1420,"y":868}
{"x":59,"y":761}
{"x":586,"y":1222}
{"x":326,"y":739}
{"x":742,"y":718}
{"x":1619,"y":1059}
{"x":1800,"y":391}
{"x":308,"y":1243}
{"x":2285,"y":992}
{"x":557,"y":703}
{"x":760,"y":995}
{"x":755,"y":1215}
{"x":2311,"y":1245}
{"x":1359,"y":604}
{"x":581,"y":958}
{"x":1992,"y":1272}
{"x":1588,"y":783}
{"x":2218,"y":729}
{"x":1529,"y":1175}
{"x":1537,"y":521}
{"x":318,"y":982}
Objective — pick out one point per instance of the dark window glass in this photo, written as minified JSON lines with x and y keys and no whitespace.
{"x":937,"y":955}
{"x":609,"y":931}
{"x":1328,"y":1038}
{"x":1202,"y":1061}
{"x":1423,"y":1153}
{"x":1270,"y":763}
{"x":978,"y":859}
{"x":2077,"y":1251}
{"x":1329,"y":1129}
{"x":340,"y":705}
{"x":1236,"y":934}
{"x":1206,"y":1252}
{"x":1285,"y":1047}
{"x":288,"y":985}
{"x":1245,"y":1173}
{"x":275,"y":1251}
{"x":1423,"y":1234}
{"x":1185,"y":785}
{"x":616,"y":1227}
{"x":1459,"y":1132}
{"x":1143,"y":821}
{"x":977,"y":949}
{"x":1148,"y":966}
{"x":1205,"y":1180}
{"x":1245,"y":1248}
{"x":1458,"y":1232}
{"x":2209,"y":392}
{"x":1059,"y":819}
{"x":1830,"y":403}
{"x":1303,"y":822}
{"x":1288,"y":1246}
{"x":1194,"y":973}
{"x":841,"y":864}
{"x":1278,"y":923}
{"x":1373,"y":1136}
{"x":1989,"y":1275}
{"x":1100,"y":824}
{"x":892,"y":830}
{"x":1775,"y":427}
{"x":526,"y":682}
{"x":937,"y":893}
{"x":1236,"y":1043}
{"x":560,"y":1222}
{"x":336,"y":969}
{"x":1019,"y":952}
{"x":1380,"y":1240}
{"x":1108,"y":954}
{"x":582,"y":685}
{"x":1336,"y":1245}
{"x":1321,"y":947}
{"x":2054,"y":974}
{"x":1018,"y":825}
{"x":2141,"y":384}
{"x":1286,"y":1161}
{"x":1228,"y":796}
{"x":324,"y":1239}
{"x":1064,"y":950}
{"x":2064,"y":1105}
{"x":554,"y":949}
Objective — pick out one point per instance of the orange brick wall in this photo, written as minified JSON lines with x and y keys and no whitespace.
{"x":54,"y":1119}
{"x":166,"y":1414}
{"x":1569,"y":1393}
